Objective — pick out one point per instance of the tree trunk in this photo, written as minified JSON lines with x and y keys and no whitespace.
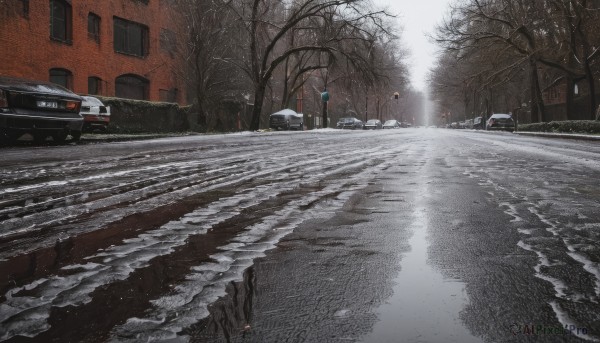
{"x":569,"y":97}
{"x":589,"y":75}
{"x":325,"y":115}
{"x":201,"y":113}
{"x":257,"y":109}
{"x":285,"y":98}
{"x":537,"y":101}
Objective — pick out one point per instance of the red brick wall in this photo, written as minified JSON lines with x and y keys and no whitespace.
{"x":556,"y":94}
{"x":26,"y":49}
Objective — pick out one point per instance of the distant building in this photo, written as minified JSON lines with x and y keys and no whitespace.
{"x":560,"y":104}
{"x":122,"y":48}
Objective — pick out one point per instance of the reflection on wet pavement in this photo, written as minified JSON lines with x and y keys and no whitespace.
{"x":425,"y":306}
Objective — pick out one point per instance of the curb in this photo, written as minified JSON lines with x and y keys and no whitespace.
{"x":560,"y":135}
{"x":125,"y":137}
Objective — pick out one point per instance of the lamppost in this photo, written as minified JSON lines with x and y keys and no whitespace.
{"x":397,"y":96}
{"x":325,"y":98}
{"x":524,"y":108}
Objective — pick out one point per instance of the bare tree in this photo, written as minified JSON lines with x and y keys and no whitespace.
{"x":208,"y":38}
{"x":270,"y":24}
{"x":525,"y":36}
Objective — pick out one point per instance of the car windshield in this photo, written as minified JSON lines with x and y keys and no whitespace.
{"x":390,"y":122}
{"x":91,"y":101}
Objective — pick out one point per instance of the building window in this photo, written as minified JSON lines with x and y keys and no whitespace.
{"x":25,"y":8}
{"x":130,"y":38}
{"x":131,"y":87}
{"x":94,"y":85}
{"x":166,"y":95}
{"x":62,"y":77}
{"x":94,"y":27}
{"x":60,"y":21}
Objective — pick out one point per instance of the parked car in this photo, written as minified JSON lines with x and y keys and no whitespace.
{"x":373,"y":124}
{"x":500,"y":121}
{"x":391,"y":124}
{"x":349,"y":123}
{"x":478,"y":123}
{"x":39,"y":108}
{"x":96,"y":116}
{"x":286,"y":120}
{"x":469,"y":124}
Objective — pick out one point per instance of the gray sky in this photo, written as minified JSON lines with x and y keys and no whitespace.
{"x":418,"y":17}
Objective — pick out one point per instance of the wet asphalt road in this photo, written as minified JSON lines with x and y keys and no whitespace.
{"x":411,"y":235}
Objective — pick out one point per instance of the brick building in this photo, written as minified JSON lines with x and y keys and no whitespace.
{"x":560,"y":104}
{"x":122,"y":48}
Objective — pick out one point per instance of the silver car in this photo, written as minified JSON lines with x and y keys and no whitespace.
{"x":349,"y":123}
{"x":500,"y":121}
{"x":391,"y":124}
{"x":373,"y":124}
{"x":96,"y":116}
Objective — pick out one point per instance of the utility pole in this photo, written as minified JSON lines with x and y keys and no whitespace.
{"x":397,"y":96}
{"x":366,"y":104}
{"x":325,"y":98}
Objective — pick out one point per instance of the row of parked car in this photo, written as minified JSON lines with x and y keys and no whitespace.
{"x":44,"y":109}
{"x":497,"y":121}
{"x":371,"y":124}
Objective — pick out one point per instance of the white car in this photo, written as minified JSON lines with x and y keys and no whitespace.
{"x":96,"y":116}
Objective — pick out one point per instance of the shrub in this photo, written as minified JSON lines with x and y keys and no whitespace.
{"x":137,"y":116}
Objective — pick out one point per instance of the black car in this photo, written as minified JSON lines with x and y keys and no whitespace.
{"x":39,"y":108}
{"x":500,"y":121}
{"x":478,"y":123}
{"x":349,"y":123}
{"x":373,"y":124}
{"x":286,"y":120}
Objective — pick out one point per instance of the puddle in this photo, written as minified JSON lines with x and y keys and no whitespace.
{"x":425,"y":306}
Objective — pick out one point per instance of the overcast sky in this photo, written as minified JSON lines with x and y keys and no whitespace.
{"x":418,"y":17}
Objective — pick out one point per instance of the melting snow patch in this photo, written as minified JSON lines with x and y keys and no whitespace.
{"x":341,"y":313}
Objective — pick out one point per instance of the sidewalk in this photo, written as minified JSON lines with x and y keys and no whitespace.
{"x":560,"y":135}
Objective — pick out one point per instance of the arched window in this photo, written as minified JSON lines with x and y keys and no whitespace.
{"x":62,"y":77}
{"x":131,"y":86}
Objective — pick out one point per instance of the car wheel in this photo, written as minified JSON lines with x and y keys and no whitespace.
{"x":75,"y":136}
{"x":39,"y":138}
{"x":6,"y":137}
{"x":59,"y":138}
